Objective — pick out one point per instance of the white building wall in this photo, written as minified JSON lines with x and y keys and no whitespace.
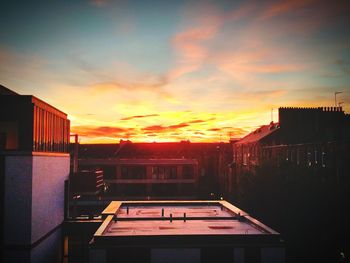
{"x":34,"y":196}
{"x":17,"y":198}
{"x":49,"y":174}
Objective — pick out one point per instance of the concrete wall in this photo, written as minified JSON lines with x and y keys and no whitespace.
{"x":173,"y":255}
{"x":48,"y":250}
{"x":49,"y":174}
{"x":34,"y":197}
{"x":17,"y":200}
{"x":273,"y":255}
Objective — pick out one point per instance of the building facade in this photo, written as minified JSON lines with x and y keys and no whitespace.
{"x":160,"y":170}
{"x":312,"y":140}
{"x":34,"y":165}
{"x":148,"y":178}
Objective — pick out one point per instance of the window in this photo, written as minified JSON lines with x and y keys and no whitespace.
{"x":188,"y":171}
{"x":244,"y":159}
{"x":9,"y":135}
{"x":315,"y":156}
{"x":164,"y":172}
{"x":133,"y":172}
{"x":50,"y":131}
{"x":308,"y":158}
{"x":298,"y":156}
{"x":323,"y":157}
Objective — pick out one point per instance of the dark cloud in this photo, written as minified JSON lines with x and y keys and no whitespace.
{"x":197,"y":121}
{"x":201,"y":121}
{"x":139,"y":116}
{"x":178,"y":126}
{"x":154,"y":128}
{"x":161,"y":128}
{"x":215,"y":129}
{"x":108,"y":131}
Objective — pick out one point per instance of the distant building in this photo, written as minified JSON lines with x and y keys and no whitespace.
{"x":247,"y":151}
{"x":34,"y":165}
{"x":148,"y":178}
{"x":317,"y":138}
{"x":183,"y":231}
{"x":159,"y":170}
{"x":321,"y":124}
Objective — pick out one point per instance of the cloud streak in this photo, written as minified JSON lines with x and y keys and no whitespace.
{"x":139,"y":117}
{"x":108,"y":131}
{"x":162,"y":128}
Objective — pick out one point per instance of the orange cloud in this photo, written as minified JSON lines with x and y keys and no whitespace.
{"x":311,"y":15}
{"x":190,"y":49}
{"x":282,"y":7}
{"x":99,"y":3}
{"x":188,"y":43}
{"x":263,"y":67}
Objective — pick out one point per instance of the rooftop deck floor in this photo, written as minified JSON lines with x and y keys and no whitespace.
{"x":176,"y":211}
{"x":180,"y":227}
{"x":178,"y":218}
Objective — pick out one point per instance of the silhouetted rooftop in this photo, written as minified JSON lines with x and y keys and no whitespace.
{"x":260,"y":133}
{"x":6,"y":91}
{"x":149,"y":150}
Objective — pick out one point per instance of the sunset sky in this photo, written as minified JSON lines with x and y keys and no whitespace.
{"x":175,"y":70}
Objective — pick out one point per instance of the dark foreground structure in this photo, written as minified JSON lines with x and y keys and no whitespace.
{"x":294,"y":175}
{"x":183,"y":231}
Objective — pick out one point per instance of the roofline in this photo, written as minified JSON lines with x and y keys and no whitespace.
{"x":112,"y":209}
{"x":9,"y":91}
{"x":239,"y":142}
{"x":135,"y":161}
{"x":35,"y":99}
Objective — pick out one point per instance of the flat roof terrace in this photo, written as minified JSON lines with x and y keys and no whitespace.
{"x":177,"y":227}
{"x":128,"y":211}
{"x":131,"y":220}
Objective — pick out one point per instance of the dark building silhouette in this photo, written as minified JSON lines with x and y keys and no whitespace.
{"x":87,"y":183}
{"x":34,"y":165}
{"x":248,"y":150}
{"x":307,"y":137}
{"x":294,"y":175}
{"x":299,"y":125}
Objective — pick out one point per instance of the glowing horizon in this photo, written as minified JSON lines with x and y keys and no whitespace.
{"x":201,"y":71}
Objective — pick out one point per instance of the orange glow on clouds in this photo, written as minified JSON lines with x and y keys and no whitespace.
{"x":199,"y":71}
{"x":165,"y":127}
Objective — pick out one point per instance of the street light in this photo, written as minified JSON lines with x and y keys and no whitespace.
{"x":335,"y":97}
